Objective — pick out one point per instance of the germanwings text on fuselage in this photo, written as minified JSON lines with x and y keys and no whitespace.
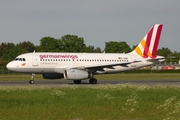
{"x":58,"y":56}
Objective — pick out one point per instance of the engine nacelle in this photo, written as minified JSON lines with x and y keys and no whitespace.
{"x":74,"y":74}
{"x":52,"y":76}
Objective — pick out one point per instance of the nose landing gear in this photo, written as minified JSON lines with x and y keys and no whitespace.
{"x":32,"y":79}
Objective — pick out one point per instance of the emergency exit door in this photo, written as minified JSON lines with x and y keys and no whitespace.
{"x":34,"y":60}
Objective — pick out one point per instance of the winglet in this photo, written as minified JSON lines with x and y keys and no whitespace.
{"x":149,"y":44}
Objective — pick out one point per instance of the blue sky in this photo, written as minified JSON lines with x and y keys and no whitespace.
{"x":97,"y":21}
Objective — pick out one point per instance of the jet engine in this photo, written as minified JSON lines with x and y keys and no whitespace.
{"x":52,"y":76}
{"x":74,"y":74}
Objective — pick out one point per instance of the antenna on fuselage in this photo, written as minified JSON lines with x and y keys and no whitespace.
{"x":34,"y":51}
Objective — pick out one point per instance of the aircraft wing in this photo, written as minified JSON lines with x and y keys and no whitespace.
{"x":101,"y":66}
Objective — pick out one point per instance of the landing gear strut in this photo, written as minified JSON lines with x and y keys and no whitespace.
{"x":32,"y":79}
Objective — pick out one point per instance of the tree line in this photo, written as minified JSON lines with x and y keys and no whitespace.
{"x":71,"y":43}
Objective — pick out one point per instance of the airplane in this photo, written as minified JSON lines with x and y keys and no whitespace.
{"x":81,"y":66}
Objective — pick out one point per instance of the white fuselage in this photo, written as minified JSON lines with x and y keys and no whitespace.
{"x":59,"y":62}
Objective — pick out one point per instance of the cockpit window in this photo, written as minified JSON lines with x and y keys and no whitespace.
{"x":19,"y":59}
{"x":16,"y":59}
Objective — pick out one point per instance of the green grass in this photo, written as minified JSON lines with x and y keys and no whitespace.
{"x":119,"y":76}
{"x":104,"y":102}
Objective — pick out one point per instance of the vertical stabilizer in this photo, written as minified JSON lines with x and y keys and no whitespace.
{"x":149,"y":44}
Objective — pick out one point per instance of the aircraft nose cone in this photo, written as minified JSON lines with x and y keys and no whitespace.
{"x":10,"y":66}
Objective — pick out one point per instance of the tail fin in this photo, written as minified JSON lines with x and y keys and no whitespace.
{"x":149,"y":44}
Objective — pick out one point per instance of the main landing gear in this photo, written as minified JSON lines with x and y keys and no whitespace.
{"x":91,"y":81}
{"x":32,"y":79}
{"x":77,"y":81}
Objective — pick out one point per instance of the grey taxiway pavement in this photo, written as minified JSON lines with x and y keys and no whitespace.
{"x":86,"y":82}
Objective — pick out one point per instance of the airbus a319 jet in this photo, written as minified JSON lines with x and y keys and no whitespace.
{"x":81,"y":66}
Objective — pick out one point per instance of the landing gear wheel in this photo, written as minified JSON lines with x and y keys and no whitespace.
{"x":77,"y":81}
{"x":32,"y":79}
{"x":93,"y":81}
{"x":31,"y":82}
